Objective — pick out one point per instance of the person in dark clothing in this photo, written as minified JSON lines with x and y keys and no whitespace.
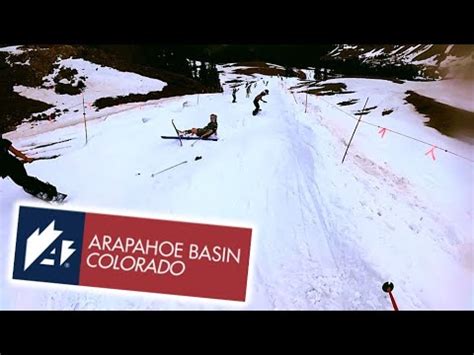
{"x":248,"y":88}
{"x":234,"y":92}
{"x":12,"y":167}
{"x":325,"y":74}
{"x":258,"y":98}
{"x":206,"y":131}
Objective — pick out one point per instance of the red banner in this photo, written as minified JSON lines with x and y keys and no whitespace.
{"x":162,"y":256}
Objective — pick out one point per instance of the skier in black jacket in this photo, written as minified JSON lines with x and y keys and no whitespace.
{"x":234,"y":92}
{"x":258,"y":98}
{"x":12,"y":167}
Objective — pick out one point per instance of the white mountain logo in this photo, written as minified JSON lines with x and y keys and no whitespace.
{"x":38,"y":242}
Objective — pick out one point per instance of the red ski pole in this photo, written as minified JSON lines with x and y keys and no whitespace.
{"x":388,"y":287}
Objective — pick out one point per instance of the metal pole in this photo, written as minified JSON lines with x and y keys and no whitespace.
{"x":84,"y":113}
{"x":171,"y":167}
{"x":192,"y":145}
{"x":294,"y":97}
{"x":353,"y":133}
{"x":388,"y":287}
{"x":392,"y":299}
{"x":306,"y":103}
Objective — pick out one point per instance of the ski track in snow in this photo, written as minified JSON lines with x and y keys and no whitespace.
{"x":326,"y":235}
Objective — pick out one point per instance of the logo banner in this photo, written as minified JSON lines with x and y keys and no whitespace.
{"x":130,"y":253}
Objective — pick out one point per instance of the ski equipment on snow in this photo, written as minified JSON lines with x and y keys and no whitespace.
{"x":189,"y":138}
{"x":171,"y":167}
{"x":388,"y":287}
{"x":58,"y":198}
{"x":177,"y":132}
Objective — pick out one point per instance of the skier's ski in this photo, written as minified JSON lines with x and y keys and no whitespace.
{"x":58,"y":198}
{"x":189,"y":138}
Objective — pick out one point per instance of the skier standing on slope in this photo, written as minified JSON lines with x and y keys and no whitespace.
{"x":234,"y":91}
{"x":248,"y":87}
{"x":206,"y":131}
{"x":12,"y":167}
